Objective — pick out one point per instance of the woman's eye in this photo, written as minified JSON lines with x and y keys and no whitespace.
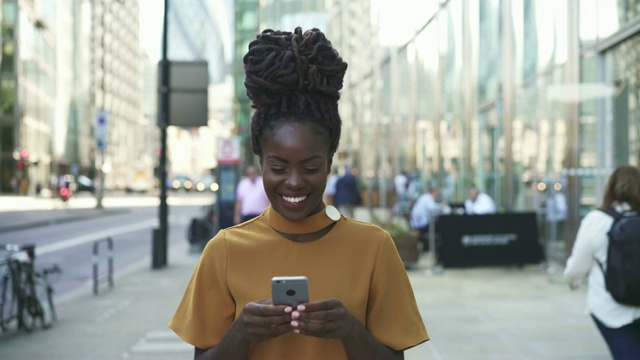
{"x":311,"y":170}
{"x":277,"y":170}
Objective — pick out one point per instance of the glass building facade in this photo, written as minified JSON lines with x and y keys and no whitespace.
{"x":27,"y":94}
{"x":524,"y":99}
{"x":527,"y":100}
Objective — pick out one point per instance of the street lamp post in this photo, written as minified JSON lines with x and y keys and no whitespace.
{"x":159,"y":252}
{"x":101,"y":145}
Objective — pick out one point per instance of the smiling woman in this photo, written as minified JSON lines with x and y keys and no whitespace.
{"x":361,"y":304}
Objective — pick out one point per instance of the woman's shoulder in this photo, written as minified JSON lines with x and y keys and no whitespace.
{"x":597,"y":216}
{"x":370,"y":229}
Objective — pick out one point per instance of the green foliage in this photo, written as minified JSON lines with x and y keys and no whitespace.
{"x":396,"y":225}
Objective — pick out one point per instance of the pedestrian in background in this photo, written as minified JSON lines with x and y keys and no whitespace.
{"x":556,"y":209}
{"x":479,"y":203}
{"x":251,"y":199}
{"x":361,"y":303}
{"x":619,"y":324}
{"x":330,"y":189}
{"x":426,"y":207}
{"x":401,"y":185}
{"x":347,"y":195}
{"x":401,"y":205}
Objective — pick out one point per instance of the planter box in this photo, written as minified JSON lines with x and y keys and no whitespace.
{"x":408,"y":248}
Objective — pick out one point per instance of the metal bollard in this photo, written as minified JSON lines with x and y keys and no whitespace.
{"x":96,"y":278}
{"x":436,"y":267}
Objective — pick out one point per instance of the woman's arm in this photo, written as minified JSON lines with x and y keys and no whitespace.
{"x":232,"y":346}
{"x":594,"y":225}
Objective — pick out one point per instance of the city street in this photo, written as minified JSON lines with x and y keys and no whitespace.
{"x":69,"y":232}
{"x":471,"y":313}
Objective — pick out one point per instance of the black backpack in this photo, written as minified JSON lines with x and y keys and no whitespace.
{"x":622,"y":273}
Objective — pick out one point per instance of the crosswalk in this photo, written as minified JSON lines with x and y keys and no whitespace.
{"x":160,"y":343}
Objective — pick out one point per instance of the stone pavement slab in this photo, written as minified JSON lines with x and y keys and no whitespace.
{"x":503,"y":313}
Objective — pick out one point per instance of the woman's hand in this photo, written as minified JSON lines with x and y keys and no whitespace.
{"x":326,"y":319}
{"x":331,"y":319}
{"x":261,"y":320}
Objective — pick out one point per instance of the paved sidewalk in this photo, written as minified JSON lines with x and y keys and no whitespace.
{"x":475,"y":313}
{"x":128,"y":321}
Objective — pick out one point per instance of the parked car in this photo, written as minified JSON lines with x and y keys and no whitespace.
{"x":181,"y":182}
{"x":83,"y":183}
{"x":207,"y":183}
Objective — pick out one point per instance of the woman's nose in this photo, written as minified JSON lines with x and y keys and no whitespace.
{"x":294,"y":179}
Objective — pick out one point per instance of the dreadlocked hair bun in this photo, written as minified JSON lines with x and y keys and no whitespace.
{"x":294,"y":73}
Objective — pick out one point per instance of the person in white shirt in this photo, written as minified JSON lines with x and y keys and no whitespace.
{"x":330,"y":189}
{"x":401,"y":183}
{"x":619,"y":324}
{"x":426,"y":206}
{"x":479,"y":203}
{"x":556,"y":213}
{"x":401,"y":205}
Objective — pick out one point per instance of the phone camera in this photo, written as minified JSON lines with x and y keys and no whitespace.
{"x":291,"y":292}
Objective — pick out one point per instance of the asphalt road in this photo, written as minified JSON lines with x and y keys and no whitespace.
{"x":66,"y":234}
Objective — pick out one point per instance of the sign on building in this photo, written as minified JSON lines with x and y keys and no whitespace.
{"x":101,"y":129}
{"x":229,"y":150}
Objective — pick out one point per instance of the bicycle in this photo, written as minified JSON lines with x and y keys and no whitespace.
{"x":45,"y":284}
{"x":18,"y":297}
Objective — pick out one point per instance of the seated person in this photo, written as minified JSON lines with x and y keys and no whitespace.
{"x":479,"y":203}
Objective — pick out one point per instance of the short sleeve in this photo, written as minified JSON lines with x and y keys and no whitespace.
{"x":207,"y":309}
{"x":393,"y":317}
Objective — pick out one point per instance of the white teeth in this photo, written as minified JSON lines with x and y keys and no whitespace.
{"x":294,"y":199}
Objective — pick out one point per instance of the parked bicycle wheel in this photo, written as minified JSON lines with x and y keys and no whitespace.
{"x":46,"y":290}
{"x":30,"y":307}
{"x":8,"y":300}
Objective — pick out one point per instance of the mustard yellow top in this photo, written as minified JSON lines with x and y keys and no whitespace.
{"x":355,"y":262}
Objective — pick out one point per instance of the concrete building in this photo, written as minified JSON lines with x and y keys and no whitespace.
{"x":62,"y":62}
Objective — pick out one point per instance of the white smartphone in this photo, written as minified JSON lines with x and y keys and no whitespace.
{"x":289,"y":290}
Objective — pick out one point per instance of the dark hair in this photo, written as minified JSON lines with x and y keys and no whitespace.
{"x":294,"y":77}
{"x":623,"y":186}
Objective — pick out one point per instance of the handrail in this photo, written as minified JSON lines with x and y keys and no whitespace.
{"x":109,"y":276}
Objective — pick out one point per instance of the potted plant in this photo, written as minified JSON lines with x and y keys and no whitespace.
{"x":406,"y":239}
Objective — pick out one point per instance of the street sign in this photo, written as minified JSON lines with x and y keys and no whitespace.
{"x":229,"y":150}
{"x":101,"y":129}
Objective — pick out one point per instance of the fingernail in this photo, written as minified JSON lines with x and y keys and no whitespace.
{"x":301,"y":307}
{"x":295,"y":315}
{"x":294,"y":323}
{"x":296,"y":331}
{"x":288,"y":309}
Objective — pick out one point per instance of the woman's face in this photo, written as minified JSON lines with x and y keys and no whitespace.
{"x":294,"y":170}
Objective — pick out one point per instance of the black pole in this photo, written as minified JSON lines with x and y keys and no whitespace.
{"x":159,"y":251}
{"x":103,"y":103}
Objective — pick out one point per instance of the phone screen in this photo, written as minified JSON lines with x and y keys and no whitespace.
{"x":289,"y":290}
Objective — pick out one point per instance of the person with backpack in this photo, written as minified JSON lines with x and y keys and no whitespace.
{"x":613,"y":280}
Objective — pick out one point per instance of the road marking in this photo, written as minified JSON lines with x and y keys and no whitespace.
{"x":45,"y":249}
{"x":161,"y":341}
